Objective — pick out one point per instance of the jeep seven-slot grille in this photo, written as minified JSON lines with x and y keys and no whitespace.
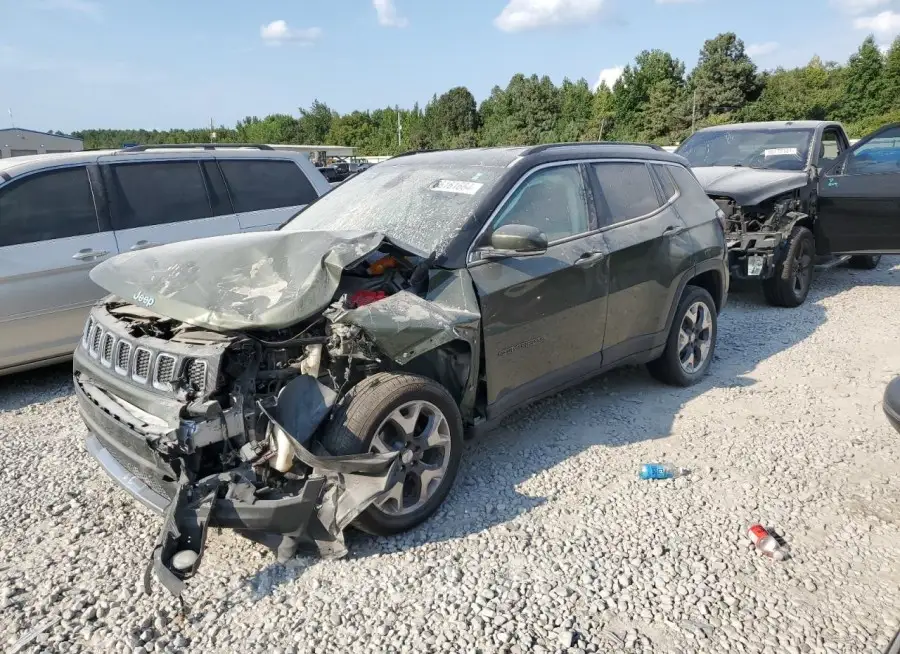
{"x":165,"y":370}
{"x":86,"y":337}
{"x":142,"y":364}
{"x":95,"y":340}
{"x":123,"y":353}
{"x":106,"y":354}
{"x":196,"y":370}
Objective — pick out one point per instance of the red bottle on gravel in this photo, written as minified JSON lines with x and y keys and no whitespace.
{"x":765,"y":542}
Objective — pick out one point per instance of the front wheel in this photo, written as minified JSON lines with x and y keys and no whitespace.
{"x":793,"y":275}
{"x":692,"y":340}
{"x":415,"y":416}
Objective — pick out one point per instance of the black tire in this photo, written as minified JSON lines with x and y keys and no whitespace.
{"x":357,"y":419}
{"x":865,"y":261}
{"x":669,"y":368}
{"x":794,"y":272}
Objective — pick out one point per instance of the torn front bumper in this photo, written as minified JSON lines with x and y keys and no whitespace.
{"x":311,"y":512}
{"x":754,"y":255}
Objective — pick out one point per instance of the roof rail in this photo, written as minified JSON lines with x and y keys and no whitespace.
{"x":549,"y":146}
{"x":194,"y":146}
{"x":409,"y":153}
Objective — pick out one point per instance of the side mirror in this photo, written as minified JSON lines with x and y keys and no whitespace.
{"x":519,"y":239}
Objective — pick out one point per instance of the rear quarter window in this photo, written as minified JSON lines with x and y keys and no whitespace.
{"x":256,"y":185}
{"x":688,"y":185}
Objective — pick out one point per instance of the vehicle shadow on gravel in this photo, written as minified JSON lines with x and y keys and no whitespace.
{"x":503,"y":473}
{"x":22,"y":389}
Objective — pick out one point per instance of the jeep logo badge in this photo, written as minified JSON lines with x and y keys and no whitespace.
{"x":146,"y":300}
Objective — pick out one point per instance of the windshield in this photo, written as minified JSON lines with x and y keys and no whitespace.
{"x":424,"y":207}
{"x":772,"y":149}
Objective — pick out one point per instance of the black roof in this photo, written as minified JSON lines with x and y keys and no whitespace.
{"x":502,"y":157}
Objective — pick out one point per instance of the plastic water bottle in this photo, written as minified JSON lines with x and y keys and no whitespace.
{"x":661,"y":471}
{"x":766,"y":542}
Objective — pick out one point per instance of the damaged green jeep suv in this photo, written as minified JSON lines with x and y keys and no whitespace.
{"x":288,"y":384}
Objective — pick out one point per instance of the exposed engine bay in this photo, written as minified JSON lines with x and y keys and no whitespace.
{"x":224,"y":425}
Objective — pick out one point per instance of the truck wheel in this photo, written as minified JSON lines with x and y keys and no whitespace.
{"x":793,"y":275}
{"x":416,"y":416}
{"x":865,"y":261}
{"x":692,"y":340}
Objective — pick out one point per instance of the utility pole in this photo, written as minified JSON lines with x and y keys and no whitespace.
{"x":11,"y":120}
{"x":399,"y":128}
{"x":694,"y":114}
{"x":602,"y":128}
{"x":212,"y":131}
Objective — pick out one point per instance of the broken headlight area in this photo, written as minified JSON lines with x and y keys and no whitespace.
{"x":223,"y":429}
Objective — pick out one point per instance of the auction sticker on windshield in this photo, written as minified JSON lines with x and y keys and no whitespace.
{"x":780,"y":152}
{"x":455,"y":186}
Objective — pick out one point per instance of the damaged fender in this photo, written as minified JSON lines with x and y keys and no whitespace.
{"x":405,"y":326}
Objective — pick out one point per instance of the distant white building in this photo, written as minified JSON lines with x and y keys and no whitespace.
{"x":18,"y":142}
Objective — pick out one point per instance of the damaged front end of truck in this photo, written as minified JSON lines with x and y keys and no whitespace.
{"x":757,"y":233}
{"x":207,"y":377}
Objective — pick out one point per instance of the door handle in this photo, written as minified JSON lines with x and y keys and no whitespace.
{"x":588,"y":259}
{"x":143,"y":245}
{"x":89,"y":255}
{"x":673,"y":230}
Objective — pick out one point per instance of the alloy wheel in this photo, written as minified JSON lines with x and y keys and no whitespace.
{"x":421,"y":433}
{"x":695,"y":337}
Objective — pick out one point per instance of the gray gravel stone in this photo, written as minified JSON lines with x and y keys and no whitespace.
{"x":786,"y":431}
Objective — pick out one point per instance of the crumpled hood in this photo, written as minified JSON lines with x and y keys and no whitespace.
{"x":748,"y":186}
{"x":240,"y":281}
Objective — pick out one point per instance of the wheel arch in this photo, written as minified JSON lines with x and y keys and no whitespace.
{"x":710,"y":275}
{"x":454,"y":367}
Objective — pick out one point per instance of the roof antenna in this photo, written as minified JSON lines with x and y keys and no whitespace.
{"x":11,"y":120}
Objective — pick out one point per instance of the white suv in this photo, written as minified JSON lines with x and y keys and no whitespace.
{"x":60,"y":214}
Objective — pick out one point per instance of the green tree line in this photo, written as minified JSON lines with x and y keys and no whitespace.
{"x":655,"y":100}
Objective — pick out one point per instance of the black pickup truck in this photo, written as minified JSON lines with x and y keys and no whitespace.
{"x":798,"y":197}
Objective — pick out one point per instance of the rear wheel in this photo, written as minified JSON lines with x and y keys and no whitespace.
{"x":412,"y":415}
{"x":865,"y":261}
{"x":692,"y":340}
{"x":793,"y":275}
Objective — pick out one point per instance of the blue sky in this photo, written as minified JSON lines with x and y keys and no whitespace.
{"x":73,"y":64}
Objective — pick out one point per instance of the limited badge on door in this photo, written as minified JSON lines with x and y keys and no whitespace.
{"x":754,"y":265}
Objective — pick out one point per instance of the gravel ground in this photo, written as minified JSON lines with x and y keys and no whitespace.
{"x":548,"y":542}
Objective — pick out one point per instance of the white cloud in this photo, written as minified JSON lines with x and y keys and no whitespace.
{"x":609,"y":76}
{"x":885,"y":25}
{"x":762,"y":49}
{"x":387,"y":14}
{"x":522,"y":15}
{"x":278,"y":32}
{"x":858,"y":6}
{"x":85,"y":7}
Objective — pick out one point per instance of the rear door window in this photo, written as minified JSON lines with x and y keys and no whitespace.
{"x":47,"y":205}
{"x":157,"y":193}
{"x":627,"y":190}
{"x":256,"y":185}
